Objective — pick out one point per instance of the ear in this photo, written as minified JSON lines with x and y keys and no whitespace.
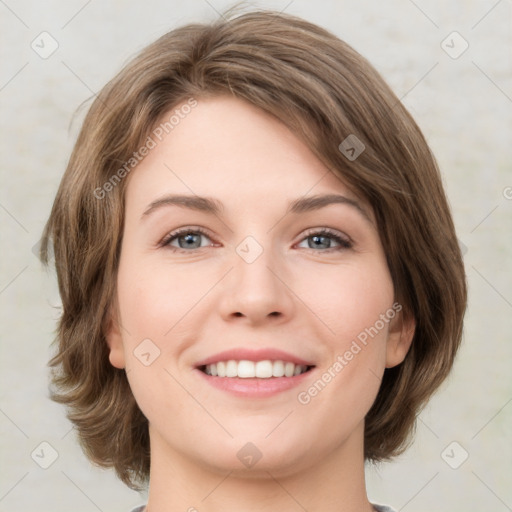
{"x":114,"y":340}
{"x":400,"y":334}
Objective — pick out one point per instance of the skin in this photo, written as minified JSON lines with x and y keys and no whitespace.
{"x":296,"y":296}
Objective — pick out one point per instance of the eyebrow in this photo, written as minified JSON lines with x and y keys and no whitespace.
{"x":215,"y":207}
{"x":202,"y":204}
{"x":311,"y":203}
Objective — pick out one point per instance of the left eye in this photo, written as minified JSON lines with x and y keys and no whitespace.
{"x":324,"y":240}
{"x":186,"y":239}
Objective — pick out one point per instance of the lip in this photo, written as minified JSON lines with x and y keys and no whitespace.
{"x":239,"y":354}
{"x":254,"y":387}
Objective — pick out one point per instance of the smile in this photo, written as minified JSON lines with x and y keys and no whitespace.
{"x":244,"y":369}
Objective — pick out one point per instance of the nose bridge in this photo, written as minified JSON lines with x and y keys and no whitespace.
{"x":256,"y":286}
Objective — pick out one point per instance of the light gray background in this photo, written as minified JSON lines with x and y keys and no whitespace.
{"x":463,"y":105}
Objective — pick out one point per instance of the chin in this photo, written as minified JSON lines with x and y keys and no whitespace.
{"x":257,"y":455}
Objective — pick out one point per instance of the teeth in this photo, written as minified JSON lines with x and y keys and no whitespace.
{"x":221,"y":369}
{"x":288,"y":369}
{"x":245,"y":369}
{"x":249,"y":369}
{"x":231,"y":369}
{"x":278,"y":369}
{"x":263,"y":369}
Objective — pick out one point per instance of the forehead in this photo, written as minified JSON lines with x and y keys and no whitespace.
{"x":227,"y":148}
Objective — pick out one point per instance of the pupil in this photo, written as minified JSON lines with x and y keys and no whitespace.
{"x":317,"y":239}
{"x":190,"y":238}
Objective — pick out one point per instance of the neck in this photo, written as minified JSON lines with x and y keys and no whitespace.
{"x":333,"y":484}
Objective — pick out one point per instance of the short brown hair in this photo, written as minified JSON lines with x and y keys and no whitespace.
{"x":324,"y":91}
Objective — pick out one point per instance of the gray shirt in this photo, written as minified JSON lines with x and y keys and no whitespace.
{"x":378,"y":508}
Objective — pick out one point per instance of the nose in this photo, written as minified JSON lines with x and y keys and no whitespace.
{"x":257,"y":291}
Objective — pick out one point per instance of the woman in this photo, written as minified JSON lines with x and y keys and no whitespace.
{"x":260,"y":277}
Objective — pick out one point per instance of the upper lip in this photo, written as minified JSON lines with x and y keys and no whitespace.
{"x":239,"y":354}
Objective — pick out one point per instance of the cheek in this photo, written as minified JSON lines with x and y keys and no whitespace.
{"x":355,"y":306}
{"x":151,"y":303}
{"x":153,"y":300}
{"x":157,"y":308}
{"x":349,"y":300}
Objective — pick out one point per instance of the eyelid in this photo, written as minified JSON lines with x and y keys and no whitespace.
{"x":327,"y":231}
{"x":341,"y":238}
{"x":165,"y":242}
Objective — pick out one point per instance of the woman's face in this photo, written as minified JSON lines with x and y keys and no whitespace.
{"x":238,"y":239}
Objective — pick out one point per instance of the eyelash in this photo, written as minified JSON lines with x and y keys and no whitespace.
{"x":344,"y":242}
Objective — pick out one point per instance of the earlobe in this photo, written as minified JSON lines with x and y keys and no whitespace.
{"x":400,"y":336}
{"x":114,"y":342}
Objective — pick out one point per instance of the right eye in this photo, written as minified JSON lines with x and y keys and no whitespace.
{"x":186,"y":240}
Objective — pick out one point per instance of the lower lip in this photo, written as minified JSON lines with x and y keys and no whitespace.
{"x":254,"y":387}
